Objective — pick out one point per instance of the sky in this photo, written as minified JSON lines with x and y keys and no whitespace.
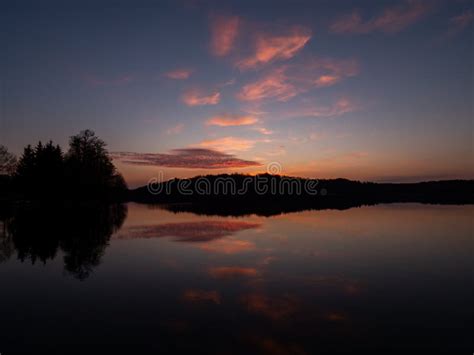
{"x":366,"y":90}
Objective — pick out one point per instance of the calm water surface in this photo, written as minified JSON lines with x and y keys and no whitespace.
{"x":388,"y":277}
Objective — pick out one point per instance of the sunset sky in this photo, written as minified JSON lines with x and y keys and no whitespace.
{"x":370,"y":90}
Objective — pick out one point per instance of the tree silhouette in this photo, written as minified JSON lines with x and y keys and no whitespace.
{"x":85,"y":172}
{"x":40,"y":170}
{"x":7,"y":161}
{"x":89,"y":167}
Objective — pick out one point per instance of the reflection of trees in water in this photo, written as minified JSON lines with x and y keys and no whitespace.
{"x":82,"y":233}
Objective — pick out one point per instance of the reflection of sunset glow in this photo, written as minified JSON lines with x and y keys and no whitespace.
{"x":226,"y":272}
{"x":201,"y":231}
{"x":336,"y":317}
{"x":201,"y":296}
{"x":274,"y":308}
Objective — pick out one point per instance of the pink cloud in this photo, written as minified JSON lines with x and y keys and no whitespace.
{"x":269,"y":48}
{"x":288,"y":81}
{"x":197,"y":98}
{"x":391,"y":20}
{"x":274,"y":85}
{"x":179,"y":74}
{"x":224,"y":31}
{"x":226,"y":120}
{"x":321,"y":72}
{"x":190,"y":158}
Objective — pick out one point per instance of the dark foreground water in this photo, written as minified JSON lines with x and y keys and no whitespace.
{"x":389,"y":278}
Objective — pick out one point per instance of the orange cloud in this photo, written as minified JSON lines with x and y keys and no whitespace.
{"x":196,"y":98}
{"x":224,"y":31}
{"x":391,"y":20}
{"x":269,"y":48}
{"x":179,"y":74}
{"x":274,"y":85}
{"x":227,"y":246}
{"x":201,"y":296}
{"x":226,"y":120}
{"x":226,"y":272}
{"x":231,"y":144}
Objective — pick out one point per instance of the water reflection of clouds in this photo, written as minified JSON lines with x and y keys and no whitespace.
{"x":200,"y":296}
{"x":199,"y":231}
{"x":231,"y":272}
{"x":270,"y":306}
{"x":228,"y":246}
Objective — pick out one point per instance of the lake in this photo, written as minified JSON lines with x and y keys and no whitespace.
{"x":392,"y":277}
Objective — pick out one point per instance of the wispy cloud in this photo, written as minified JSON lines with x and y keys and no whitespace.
{"x":226,"y":120}
{"x":321,"y":72}
{"x":229,"y":144}
{"x":191,"y":158}
{"x":340,"y":107}
{"x":224,"y":31}
{"x":273,"y":85}
{"x":263,"y":131}
{"x":175,"y":129}
{"x":287,"y":81}
{"x":179,"y":74}
{"x":390,"y":20}
{"x":269,"y":48}
{"x":459,"y":23}
{"x":197,"y":98}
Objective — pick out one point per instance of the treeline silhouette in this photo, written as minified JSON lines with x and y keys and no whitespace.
{"x":261,"y":199}
{"x":85,"y":171}
{"x":80,"y":231}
